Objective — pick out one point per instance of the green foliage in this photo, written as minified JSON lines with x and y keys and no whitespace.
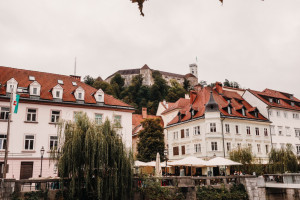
{"x":117,"y":85}
{"x":231,"y":84}
{"x":95,"y":160}
{"x":151,"y":140}
{"x":241,"y":155}
{"x":186,"y":84}
{"x":106,"y":87}
{"x":283,"y":160}
{"x":88,"y":80}
{"x":175,"y":92}
{"x":236,"y":192}
{"x":36,"y":195}
{"x":153,"y":191}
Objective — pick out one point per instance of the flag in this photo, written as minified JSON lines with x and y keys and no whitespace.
{"x":15,"y":105}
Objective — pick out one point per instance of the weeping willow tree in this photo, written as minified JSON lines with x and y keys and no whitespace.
{"x":283,"y":160}
{"x":244,"y":156}
{"x":95,"y":161}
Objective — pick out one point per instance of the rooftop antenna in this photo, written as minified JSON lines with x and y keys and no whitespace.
{"x":75,"y":67}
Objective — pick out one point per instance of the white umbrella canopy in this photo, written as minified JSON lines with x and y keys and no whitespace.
{"x":189,"y":161}
{"x":138,"y":163}
{"x":218,"y":161}
{"x":158,"y":171}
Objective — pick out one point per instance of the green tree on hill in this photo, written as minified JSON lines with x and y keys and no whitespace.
{"x":175,"y":92}
{"x":151,"y":140}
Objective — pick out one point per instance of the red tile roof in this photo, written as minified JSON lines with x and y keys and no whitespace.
{"x":137,"y":119}
{"x":202,"y":98}
{"x":180,"y":103}
{"x":285,"y":99}
{"x":48,"y":81}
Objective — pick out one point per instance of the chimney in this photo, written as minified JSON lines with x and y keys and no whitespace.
{"x":219,"y":87}
{"x":78,"y":78}
{"x":144,"y":113}
{"x":193,"y":96}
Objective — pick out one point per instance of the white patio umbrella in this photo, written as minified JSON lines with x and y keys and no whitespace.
{"x":138,"y":163}
{"x":158,"y":171}
{"x":220,"y":161}
{"x":189,"y":161}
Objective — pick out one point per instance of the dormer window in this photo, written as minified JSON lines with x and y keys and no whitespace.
{"x":99,"y":96}
{"x":74,"y":83}
{"x":60,"y":82}
{"x":292,"y":103}
{"x":278,"y":101}
{"x":243,"y":112}
{"x":11,"y":85}
{"x":229,"y":110}
{"x":79,"y":93}
{"x":31,"y":78}
{"x":270,"y":100}
{"x":57,"y":92}
{"x":35,"y":89}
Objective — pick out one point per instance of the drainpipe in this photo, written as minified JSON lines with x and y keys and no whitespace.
{"x":222,"y":119}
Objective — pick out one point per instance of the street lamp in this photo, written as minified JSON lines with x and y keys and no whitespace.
{"x":42,"y":155}
{"x":166,"y":157}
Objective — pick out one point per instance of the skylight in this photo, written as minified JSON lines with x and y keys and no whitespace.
{"x":60,"y":81}
{"x":74,"y":83}
{"x":31,"y":78}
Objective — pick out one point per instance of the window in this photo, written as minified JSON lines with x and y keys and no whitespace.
{"x":187,"y":149}
{"x":53,"y":142}
{"x":213,"y":127}
{"x":257,"y":131}
{"x":229,"y":110}
{"x":182,"y":133}
{"x":285,"y":115}
{"x":182,"y":150}
{"x":118,"y":120}
{"x":288,"y":130}
{"x":31,"y":78}
{"x":197,"y":130}
{"x":298,"y":148}
{"x":175,"y":135}
{"x":60,"y":81}
{"x":278,"y":101}
{"x":29,"y":142}
{"x":270,"y":113}
{"x":267,"y":148}
{"x":239,"y":145}
{"x":272,"y":130}
{"x":258,"y":148}
{"x":55,"y":116}
{"x":278,"y":113}
{"x":250,"y":146}
{"x":187,"y":132}
{"x":98,"y":119}
{"x":79,"y":95}
{"x":243,"y":112}
{"x":57,"y":94}
{"x":282,"y":145}
{"x":236,"y":129}
{"x":248,"y":130}
{"x":270,"y":100}
{"x":214,"y":146}
{"x":34,"y":91}
{"x":266,"y":131}
{"x":280,"y":130}
{"x":227,"y":128}
{"x":175,"y":151}
{"x":74,"y":83}
{"x":2,"y":141}
{"x":31,"y":115}
{"x":100,"y":97}
{"x":297,"y":132}
{"x":228,"y":146}
{"x":197,"y":148}
{"x":295,"y":115}
{"x":4,"y":113}
{"x":292,"y":103}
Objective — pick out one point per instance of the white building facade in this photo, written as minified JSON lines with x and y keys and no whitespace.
{"x":214,"y":122}
{"x":283,"y":110}
{"x":43,"y":103}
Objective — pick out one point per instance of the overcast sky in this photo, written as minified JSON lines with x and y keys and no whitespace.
{"x":253,"y":42}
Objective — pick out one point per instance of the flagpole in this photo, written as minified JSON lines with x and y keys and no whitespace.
{"x":8,"y":132}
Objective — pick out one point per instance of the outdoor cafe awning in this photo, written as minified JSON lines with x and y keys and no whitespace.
{"x":219,"y":161}
{"x":190,"y":161}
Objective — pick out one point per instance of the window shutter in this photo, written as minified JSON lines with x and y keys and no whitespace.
{"x":182,"y":133}
{"x":182,"y":150}
{"x":175,"y":151}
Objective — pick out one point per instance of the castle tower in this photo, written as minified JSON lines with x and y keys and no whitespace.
{"x":194,"y":69}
